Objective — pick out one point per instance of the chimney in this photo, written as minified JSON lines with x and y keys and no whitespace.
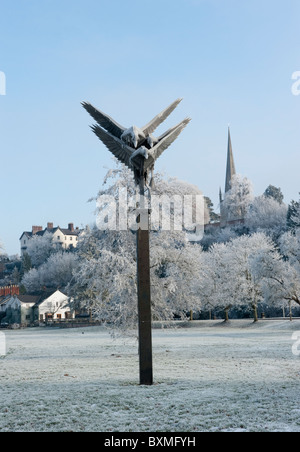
{"x":36,"y":229}
{"x":49,"y":225}
{"x":71,"y":227}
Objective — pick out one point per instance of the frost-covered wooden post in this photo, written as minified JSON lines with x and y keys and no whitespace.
{"x":144,"y":291}
{"x":138,"y":149}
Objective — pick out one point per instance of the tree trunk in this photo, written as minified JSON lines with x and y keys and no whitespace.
{"x":226,"y":314}
{"x":255,"y":316}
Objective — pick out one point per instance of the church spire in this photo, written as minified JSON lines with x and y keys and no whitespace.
{"x":220,"y":196}
{"x":230,"y":170}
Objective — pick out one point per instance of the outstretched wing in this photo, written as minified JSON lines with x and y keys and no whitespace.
{"x":183,"y":123}
{"x":161,"y":117}
{"x":117,"y":147}
{"x":104,"y":120}
{"x":165,"y":142}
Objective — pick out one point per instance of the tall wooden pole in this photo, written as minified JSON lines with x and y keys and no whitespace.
{"x":144,"y":292}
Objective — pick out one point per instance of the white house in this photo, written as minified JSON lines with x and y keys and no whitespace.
{"x":66,"y":237}
{"x":29,"y":309}
{"x":19,"y":309}
{"x":55,"y":307}
{"x":3,"y":302}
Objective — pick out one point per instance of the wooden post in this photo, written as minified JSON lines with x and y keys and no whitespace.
{"x":144,"y":293}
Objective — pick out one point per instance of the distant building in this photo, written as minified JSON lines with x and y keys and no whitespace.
{"x":67,"y":238}
{"x":54,"y":307}
{"x":19,"y":309}
{"x":12,"y":289}
{"x":3,"y":300}
{"x":33,"y":309}
{"x":230,"y":172}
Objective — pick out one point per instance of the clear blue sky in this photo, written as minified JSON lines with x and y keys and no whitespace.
{"x":230,"y":60}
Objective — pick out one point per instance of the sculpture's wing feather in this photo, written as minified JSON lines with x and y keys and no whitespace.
{"x":161,"y":117}
{"x":114,"y":145}
{"x":183,"y":123}
{"x":165,"y":142}
{"x":104,"y":120}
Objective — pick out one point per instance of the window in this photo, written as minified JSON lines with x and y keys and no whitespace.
{"x":58,"y":316}
{"x":58,"y":237}
{"x":71,"y":238}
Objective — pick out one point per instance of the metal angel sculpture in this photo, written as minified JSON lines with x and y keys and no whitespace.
{"x":136,"y":147}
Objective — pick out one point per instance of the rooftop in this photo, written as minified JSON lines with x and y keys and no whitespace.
{"x":39,"y":231}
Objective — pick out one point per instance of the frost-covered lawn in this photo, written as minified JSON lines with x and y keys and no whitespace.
{"x":208,"y":377}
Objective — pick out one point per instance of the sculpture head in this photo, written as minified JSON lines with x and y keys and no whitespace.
{"x":144,"y":152}
{"x":133,"y":136}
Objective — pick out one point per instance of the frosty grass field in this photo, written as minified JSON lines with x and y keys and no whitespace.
{"x":208,"y":377}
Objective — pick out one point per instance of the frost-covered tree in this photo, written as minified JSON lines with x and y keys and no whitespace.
{"x":216,"y":293}
{"x":212,"y":215}
{"x":39,"y":248}
{"x":244,"y":249}
{"x":229,"y":280}
{"x":56,"y":272}
{"x":293,"y":215}
{"x":26,"y":264}
{"x":274,"y":193}
{"x":219,"y":235}
{"x":105,"y":283}
{"x":266,"y":214}
{"x":173,"y":203}
{"x":280,"y":280}
{"x":238,"y":199}
{"x":15,"y":276}
{"x":290,"y":247}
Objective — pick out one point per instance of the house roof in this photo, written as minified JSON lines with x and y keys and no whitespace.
{"x":28,"y":234}
{"x":4,"y":299}
{"x":28,"y":298}
{"x":65,"y":231}
{"x":48,"y":295}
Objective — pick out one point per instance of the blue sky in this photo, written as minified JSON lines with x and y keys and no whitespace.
{"x":231,"y":60}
